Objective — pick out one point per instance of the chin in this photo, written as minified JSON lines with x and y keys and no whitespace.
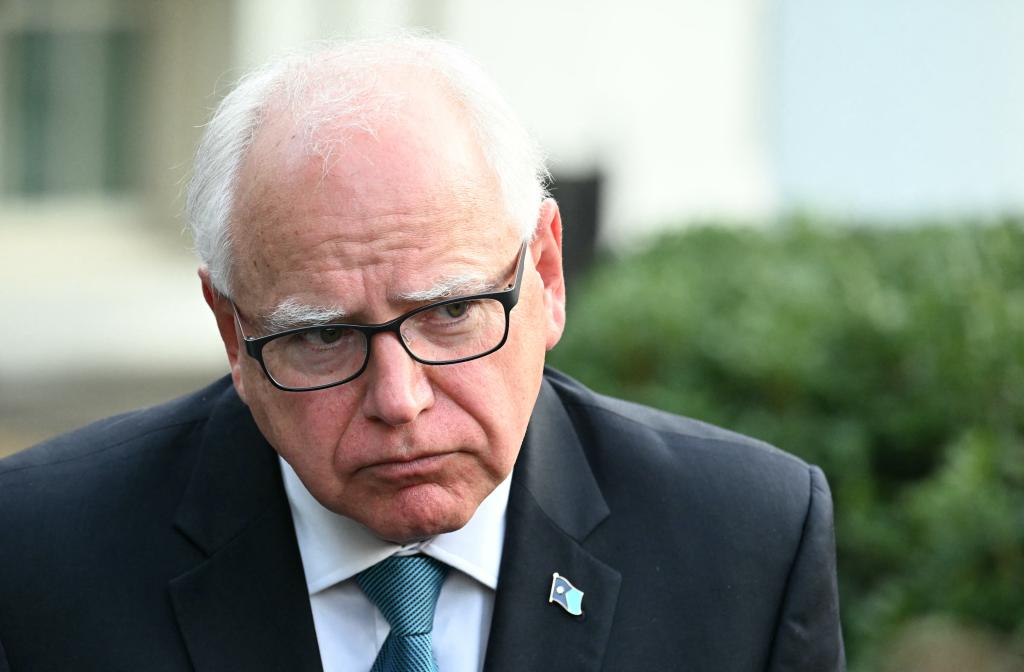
{"x":414,"y":515}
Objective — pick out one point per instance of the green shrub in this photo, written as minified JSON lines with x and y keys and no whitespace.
{"x":893,"y":358}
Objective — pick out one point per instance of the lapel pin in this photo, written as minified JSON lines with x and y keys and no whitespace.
{"x":566,"y":595}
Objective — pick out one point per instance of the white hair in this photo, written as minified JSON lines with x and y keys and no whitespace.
{"x":334,"y":86}
{"x":291,"y":313}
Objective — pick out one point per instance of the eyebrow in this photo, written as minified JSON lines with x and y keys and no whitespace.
{"x":292,"y":314}
{"x":456,"y":285}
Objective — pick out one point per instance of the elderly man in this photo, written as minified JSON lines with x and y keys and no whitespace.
{"x":390,"y":479}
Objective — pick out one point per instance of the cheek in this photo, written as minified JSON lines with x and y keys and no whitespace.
{"x":498,"y":392}
{"x":304,"y":427}
{"x":523,"y":366}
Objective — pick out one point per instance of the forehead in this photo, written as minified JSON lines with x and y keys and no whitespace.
{"x":399,"y":149}
{"x":410,"y":197}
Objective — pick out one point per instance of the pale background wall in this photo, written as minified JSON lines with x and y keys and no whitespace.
{"x":899,"y":109}
{"x":737,"y":109}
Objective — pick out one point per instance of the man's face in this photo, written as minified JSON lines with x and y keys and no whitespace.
{"x":408,"y":450}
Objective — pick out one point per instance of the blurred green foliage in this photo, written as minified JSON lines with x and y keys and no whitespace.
{"x":892,"y":358}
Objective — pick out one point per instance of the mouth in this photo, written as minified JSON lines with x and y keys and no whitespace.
{"x":414,"y":468}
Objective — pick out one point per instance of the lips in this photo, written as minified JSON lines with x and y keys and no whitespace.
{"x":411,"y":468}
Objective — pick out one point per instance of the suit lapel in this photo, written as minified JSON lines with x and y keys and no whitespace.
{"x":246,"y":606}
{"x":554,"y":504}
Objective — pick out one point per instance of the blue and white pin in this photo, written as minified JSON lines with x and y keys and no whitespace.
{"x":566,"y":595}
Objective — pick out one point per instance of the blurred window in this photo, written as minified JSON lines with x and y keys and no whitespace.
{"x":70,"y":112}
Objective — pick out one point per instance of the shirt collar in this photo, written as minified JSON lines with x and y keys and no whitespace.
{"x":335,"y":548}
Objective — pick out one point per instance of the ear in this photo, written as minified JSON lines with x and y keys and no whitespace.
{"x":225,"y":316}
{"x":546,"y":251}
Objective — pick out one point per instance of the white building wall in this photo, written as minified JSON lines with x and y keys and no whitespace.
{"x":660,"y":97}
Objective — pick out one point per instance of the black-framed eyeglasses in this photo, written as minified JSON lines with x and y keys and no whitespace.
{"x":445,"y":332}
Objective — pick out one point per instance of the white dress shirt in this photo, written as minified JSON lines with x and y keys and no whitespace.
{"x":350,"y":630}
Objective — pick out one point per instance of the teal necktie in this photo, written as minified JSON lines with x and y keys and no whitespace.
{"x":405,"y":589}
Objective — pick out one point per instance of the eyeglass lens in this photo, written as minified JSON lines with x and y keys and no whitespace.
{"x":325,"y":355}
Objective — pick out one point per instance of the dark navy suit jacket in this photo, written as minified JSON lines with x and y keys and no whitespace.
{"x":162,"y":540}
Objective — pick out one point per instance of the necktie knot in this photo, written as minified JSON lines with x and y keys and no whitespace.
{"x":405,"y":589}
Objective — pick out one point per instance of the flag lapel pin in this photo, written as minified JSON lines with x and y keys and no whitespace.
{"x":566,"y":595}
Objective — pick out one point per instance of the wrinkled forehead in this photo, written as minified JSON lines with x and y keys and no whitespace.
{"x":414,"y":180}
{"x":401,"y":143}
{"x":331,"y":119}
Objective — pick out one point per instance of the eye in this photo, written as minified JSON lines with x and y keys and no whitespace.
{"x":455,"y":310}
{"x":323,"y":337}
{"x":329,"y":334}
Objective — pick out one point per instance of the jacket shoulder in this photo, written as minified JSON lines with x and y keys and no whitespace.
{"x":649,"y":431}
{"x":657,"y":466}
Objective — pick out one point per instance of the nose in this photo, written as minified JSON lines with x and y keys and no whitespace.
{"x":397,"y":388}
